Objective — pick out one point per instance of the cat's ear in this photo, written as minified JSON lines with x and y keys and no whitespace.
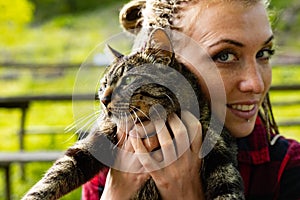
{"x":160,"y":40}
{"x":114,"y":52}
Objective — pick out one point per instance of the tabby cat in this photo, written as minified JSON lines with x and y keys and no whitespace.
{"x":220,"y":177}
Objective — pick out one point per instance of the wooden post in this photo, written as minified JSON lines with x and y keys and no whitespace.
{"x":21,"y":137}
{"x":7,"y":180}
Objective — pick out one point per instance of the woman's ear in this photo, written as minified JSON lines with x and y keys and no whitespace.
{"x":160,"y":41}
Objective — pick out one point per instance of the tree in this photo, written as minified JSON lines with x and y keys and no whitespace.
{"x":15,"y":15}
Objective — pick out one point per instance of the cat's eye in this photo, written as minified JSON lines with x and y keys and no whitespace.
{"x":103,"y":84}
{"x":129,"y":79}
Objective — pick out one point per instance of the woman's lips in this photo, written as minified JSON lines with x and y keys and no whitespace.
{"x":244,"y":111}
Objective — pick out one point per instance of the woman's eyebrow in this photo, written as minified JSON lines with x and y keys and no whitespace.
{"x":269,"y":40}
{"x":239,"y":44}
{"x":228,"y":41}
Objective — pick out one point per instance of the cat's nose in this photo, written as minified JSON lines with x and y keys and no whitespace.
{"x":105,"y":97}
{"x":105,"y":100}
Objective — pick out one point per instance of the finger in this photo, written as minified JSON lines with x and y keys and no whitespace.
{"x":147,"y":132}
{"x":157,"y":155}
{"x":123,"y":130}
{"x":121,"y":136}
{"x":180,"y":134}
{"x":127,"y":146}
{"x":142,"y":154}
{"x":165,"y":141}
{"x":125,"y":126}
{"x":151,"y":143}
{"x":145,"y":129}
{"x":127,"y":162}
{"x":194,"y":129}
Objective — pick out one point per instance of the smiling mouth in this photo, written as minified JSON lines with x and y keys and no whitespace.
{"x":244,"y":111}
{"x":243,"y":108}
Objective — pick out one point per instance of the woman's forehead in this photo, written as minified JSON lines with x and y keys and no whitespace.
{"x":228,"y":21}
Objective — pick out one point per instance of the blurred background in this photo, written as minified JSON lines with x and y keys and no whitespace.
{"x":42,"y":46}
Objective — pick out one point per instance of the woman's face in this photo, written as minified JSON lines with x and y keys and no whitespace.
{"x":239,"y":41}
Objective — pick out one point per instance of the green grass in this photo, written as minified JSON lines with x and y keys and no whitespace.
{"x":39,"y":114}
{"x":287,"y":75}
{"x":287,"y":113}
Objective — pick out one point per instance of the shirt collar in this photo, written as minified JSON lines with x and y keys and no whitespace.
{"x":254,"y":149}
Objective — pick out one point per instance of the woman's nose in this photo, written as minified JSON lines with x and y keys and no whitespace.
{"x":252,"y":80}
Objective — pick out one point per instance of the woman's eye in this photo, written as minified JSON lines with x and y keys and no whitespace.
{"x":265,"y":54}
{"x":224,"y":57}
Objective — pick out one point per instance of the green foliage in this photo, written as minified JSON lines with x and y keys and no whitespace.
{"x":15,"y":12}
{"x":283,"y":75}
{"x":15,"y":15}
{"x":65,"y":38}
{"x":47,"y":9}
{"x":279,"y":4}
{"x":285,"y":17}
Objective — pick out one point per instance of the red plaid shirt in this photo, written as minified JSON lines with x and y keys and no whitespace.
{"x":269,"y":171}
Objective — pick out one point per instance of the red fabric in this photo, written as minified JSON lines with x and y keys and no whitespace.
{"x":93,"y":189}
{"x":254,"y":149}
{"x":269,"y":171}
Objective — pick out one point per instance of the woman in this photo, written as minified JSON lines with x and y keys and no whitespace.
{"x":238,"y":37}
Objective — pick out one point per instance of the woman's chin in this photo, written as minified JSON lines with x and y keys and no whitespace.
{"x":242,"y":128}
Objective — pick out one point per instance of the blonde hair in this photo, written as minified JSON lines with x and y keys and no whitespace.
{"x":164,"y":13}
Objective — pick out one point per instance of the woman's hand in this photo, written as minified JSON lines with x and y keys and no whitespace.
{"x":176,"y":167}
{"x":127,"y":175}
{"x":122,"y":185}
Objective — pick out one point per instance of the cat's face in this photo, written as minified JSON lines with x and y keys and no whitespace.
{"x":135,"y":87}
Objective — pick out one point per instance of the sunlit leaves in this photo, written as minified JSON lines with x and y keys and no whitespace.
{"x":15,"y":15}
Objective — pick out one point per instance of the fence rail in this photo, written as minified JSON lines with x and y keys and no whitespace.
{"x":23,"y":103}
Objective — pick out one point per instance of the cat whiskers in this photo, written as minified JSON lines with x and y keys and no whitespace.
{"x":171,"y":100}
{"x":120,"y":124}
{"x":141,"y":122}
{"x":88,"y":120}
{"x":133,"y":108}
{"x":80,"y":120}
{"x":88,"y":124}
{"x":123,"y":123}
{"x":126,"y":129}
{"x":154,"y":108}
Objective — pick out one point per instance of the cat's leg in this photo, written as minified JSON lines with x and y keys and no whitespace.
{"x":77,"y":166}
